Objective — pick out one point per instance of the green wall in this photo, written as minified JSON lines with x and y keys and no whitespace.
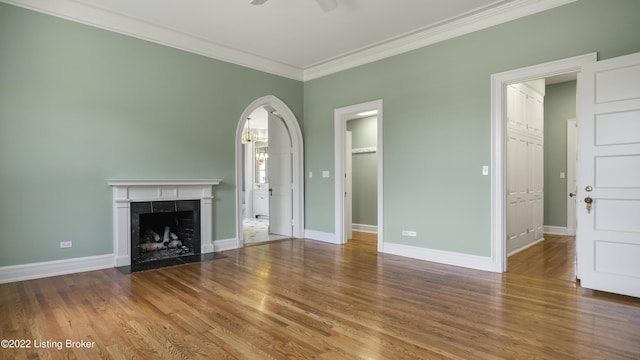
{"x":365,"y":171}
{"x":79,"y":105}
{"x":559,"y":106}
{"x":436,"y":132}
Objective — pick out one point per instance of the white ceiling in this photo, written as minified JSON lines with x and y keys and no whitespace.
{"x":293,"y":38}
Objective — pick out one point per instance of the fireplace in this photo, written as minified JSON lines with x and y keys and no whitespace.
{"x":164,"y":230}
{"x":161,"y":219}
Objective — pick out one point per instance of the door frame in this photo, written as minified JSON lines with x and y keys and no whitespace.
{"x":341,"y":116}
{"x":298,"y":163}
{"x":499,"y":82}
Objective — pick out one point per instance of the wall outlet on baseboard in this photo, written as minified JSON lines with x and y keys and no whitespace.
{"x":66,"y":244}
{"x":409,"y":233}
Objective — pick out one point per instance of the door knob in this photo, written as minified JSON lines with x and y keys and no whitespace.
{"x":270,"y":192}
{"x":589,"y":202}
{"x":572,"y":194}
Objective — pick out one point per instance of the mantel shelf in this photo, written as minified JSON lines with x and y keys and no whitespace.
{"x":161,"y":182}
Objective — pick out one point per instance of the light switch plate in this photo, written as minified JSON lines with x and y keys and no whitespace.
{"x":325,"y":173}
{"x":485,"y":170}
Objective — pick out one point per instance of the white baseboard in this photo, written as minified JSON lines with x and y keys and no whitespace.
{"x":225,"y":244}
{"x":440,"y":256}
{"x":321,"y":236}
{"x":525,"y":246}
{"x":373,"y":229}
{"x":556,"y":230}
{"x":54,"y":268}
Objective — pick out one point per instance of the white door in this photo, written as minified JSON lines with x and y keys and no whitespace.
{"x":572,"y":187}
{"x":518,"y":210}
{"x":525,"y":167}
{"x":608,"y":235}
{"x":348,"y":186}
{"x":280,"y":178}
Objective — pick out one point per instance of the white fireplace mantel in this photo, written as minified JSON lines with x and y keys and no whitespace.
{"x":126,"y":191}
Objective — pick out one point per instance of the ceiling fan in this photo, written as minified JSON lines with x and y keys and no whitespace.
{"x":326,"y":5}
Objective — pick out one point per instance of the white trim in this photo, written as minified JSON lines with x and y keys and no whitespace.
{"x":298,"y":163}
{"x":54,"y":268}
{"x":556,"y":230}
{"x":373,"y":229}
{"x":443,"y":31}
{"x":440,"y":256}
{"x":499,"y":82}
{"x":341,"y":116}
{"x":364,"y":150}
{"x":321,"y":236}
{"x":225,"y":244}
{"x":162,"y":182}
{"x":120,"y":23}
{"x":525,"y":247}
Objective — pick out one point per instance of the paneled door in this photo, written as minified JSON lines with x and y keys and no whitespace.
{"x":525,"y":167}
{"x":608,"y":234}
{"x":280,"y":178}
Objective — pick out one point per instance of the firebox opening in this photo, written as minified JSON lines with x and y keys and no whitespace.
{"x":164,"y":229}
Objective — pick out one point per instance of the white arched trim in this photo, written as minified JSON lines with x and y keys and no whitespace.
{"x":298,"y":163}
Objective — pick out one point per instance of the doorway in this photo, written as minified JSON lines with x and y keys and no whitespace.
{"x":260,"y":156}
{"x":361,"y":163}
{"x":499,"y":83}
{"x":266,"y":148}
{"x":343,"y":189}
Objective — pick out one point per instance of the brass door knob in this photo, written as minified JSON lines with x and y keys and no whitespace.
{"x":589,"y":202}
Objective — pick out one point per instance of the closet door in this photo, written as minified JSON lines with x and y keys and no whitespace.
{"x":535,"y":188}
{"x":518,"y":207}
{"x":525,"y":167}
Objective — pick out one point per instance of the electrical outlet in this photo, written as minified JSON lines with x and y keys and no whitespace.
{"x":66,"y":244}
{"x":409,"y":233}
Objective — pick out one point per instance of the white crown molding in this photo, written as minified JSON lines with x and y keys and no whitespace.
{"x":441,"y":32}
{"x":122,"y":24}
{"x":125,"y":25}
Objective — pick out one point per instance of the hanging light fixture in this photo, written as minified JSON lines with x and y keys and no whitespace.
{"x":247,"y":138}
{"x":262,"y":156}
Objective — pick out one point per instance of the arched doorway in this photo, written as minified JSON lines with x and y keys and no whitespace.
{"x":274,"y":105}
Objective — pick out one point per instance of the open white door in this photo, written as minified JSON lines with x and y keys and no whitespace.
{"x":572,"y":187}
{"x":608,"y":233}
{"x":280,"y":178}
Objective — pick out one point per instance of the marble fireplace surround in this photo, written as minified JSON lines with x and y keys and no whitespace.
{"x":126,"y":191}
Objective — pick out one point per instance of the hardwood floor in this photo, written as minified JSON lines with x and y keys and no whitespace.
{"x":554,"y":258}
{"x":303,"y":299}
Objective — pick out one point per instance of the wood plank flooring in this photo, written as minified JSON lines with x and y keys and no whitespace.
{"x":303,"y":299}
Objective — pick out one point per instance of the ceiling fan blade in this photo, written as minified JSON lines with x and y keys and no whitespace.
{"x":327,"y":5}
{"x":257,"y":2}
